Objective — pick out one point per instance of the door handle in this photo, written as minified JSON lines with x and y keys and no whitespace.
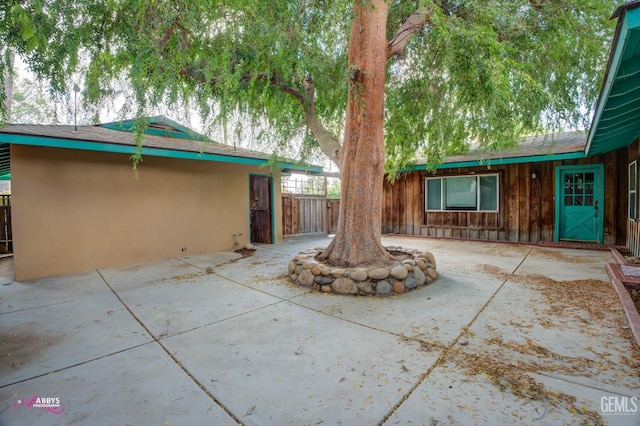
{"x":595,"y":207}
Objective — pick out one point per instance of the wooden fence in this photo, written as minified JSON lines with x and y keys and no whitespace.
{"x":308,"y":214}
{"x":333,"y":206}
{"x":6,"y":239}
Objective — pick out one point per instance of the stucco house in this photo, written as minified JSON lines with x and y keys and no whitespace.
{"x":77,"y":203}
{"x":565,"y":187}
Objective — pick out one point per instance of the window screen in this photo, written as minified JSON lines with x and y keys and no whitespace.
{"x":462,"y":193}
{"x":434,"y":194}
{"x":489,"y":192}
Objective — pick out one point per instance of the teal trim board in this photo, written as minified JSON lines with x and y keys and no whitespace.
{"x":502,"y":161}
{"x":154,"y":152}
{"x":615,"y":122}
{"x":514,"y":160}
{"x":170,"y":128}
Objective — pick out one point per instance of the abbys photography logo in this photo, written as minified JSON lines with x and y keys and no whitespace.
{"x":48,"y":404}
{"x":619,"y":405}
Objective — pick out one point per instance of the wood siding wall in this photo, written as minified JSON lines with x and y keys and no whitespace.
{"x":526,"y":207}
{"x":333,"y":204}
{"x":633,"y":227}
{"x":6,"y":238}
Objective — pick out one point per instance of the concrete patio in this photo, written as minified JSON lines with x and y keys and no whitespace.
{"x":508,"y":334}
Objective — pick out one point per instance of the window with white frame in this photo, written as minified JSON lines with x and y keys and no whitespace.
{"x":633,"y":183}
{"x":462,"y":193}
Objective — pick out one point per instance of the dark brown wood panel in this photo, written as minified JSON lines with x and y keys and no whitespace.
{"x":534,"y":207}
{"x":512,"y":203}
{"x":524,"y":200}
{"x":6,"y":237}
{"x":418,"y":207}
{"x":547,"y":203}
{"x":398,"y":216}
{"x":286,"y":215}
{"x":387,"y":207}
{"x":621,"y":207}
{"x":260,"y":202}
{"x":334,"y":209}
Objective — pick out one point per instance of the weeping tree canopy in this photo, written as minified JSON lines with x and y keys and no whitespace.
{"x":457,"y":71}
{"x":395,"y":78}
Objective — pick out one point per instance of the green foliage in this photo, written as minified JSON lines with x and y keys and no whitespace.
{"x":480,"y":72}
{"x":334,"y":189}
{"x":488,"y":72}
{"x":273,"y":164}
{"x":33,"y":103}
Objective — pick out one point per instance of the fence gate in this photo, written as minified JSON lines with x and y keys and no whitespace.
{"x":306,"y":210}
{"x":304,"y":214}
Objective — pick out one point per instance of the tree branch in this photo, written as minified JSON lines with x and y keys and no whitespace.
{"x":326,"y":141}
{"x":414,"y":23}
{"x":329,"y":145}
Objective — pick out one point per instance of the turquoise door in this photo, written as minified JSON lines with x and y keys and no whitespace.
{"x":579,"y":193}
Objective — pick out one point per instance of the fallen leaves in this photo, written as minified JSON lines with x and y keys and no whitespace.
{"x":590,"y":307}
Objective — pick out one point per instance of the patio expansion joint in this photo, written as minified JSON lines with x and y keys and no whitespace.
{"x":231,"y":280}
{"x":176,"y":360}
{"x":166,"y":336}
{"x":38,"y":307}
{"x":448,"y":349}
{"x":596,"y":388}
{"x":75,"y":365}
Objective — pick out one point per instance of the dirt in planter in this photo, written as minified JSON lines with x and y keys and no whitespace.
{"x":635,"y":296}
{"x":633,"y":292}
{"x":631,"y":259}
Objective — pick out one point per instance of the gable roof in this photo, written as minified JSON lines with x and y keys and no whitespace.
{"x":158,"y":125}
{"x":106,"y":139}
{"x":616,"y":120}
{"x":561,"y":146}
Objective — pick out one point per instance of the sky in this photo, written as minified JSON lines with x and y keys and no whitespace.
{"x":191,"y":119}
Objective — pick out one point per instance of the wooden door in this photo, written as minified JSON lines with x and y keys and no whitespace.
{"x":580,"y":201}
{"x":261,"y":215}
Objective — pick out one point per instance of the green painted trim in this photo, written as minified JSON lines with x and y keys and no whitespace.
{"x":556,"y":225}
{"x":179,"y":131}
{"x":153,"y":152}
{"x":6,"y":176}
{"x":631,"y":22}
{"x":273,"y":209}
{"x":502,"y":161}
{"x":600,"y":170}
{"x":633,"y":18}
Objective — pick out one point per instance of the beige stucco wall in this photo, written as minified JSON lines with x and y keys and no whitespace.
{"x":77,"y":210}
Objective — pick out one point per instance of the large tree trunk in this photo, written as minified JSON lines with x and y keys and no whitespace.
{"x":357,"y":239}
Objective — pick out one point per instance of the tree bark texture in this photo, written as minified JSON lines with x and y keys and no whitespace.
{"x":329,"y":145}
{"x":358,"y":238}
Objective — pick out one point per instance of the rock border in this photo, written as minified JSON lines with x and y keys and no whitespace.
{"x":399,"y":277}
